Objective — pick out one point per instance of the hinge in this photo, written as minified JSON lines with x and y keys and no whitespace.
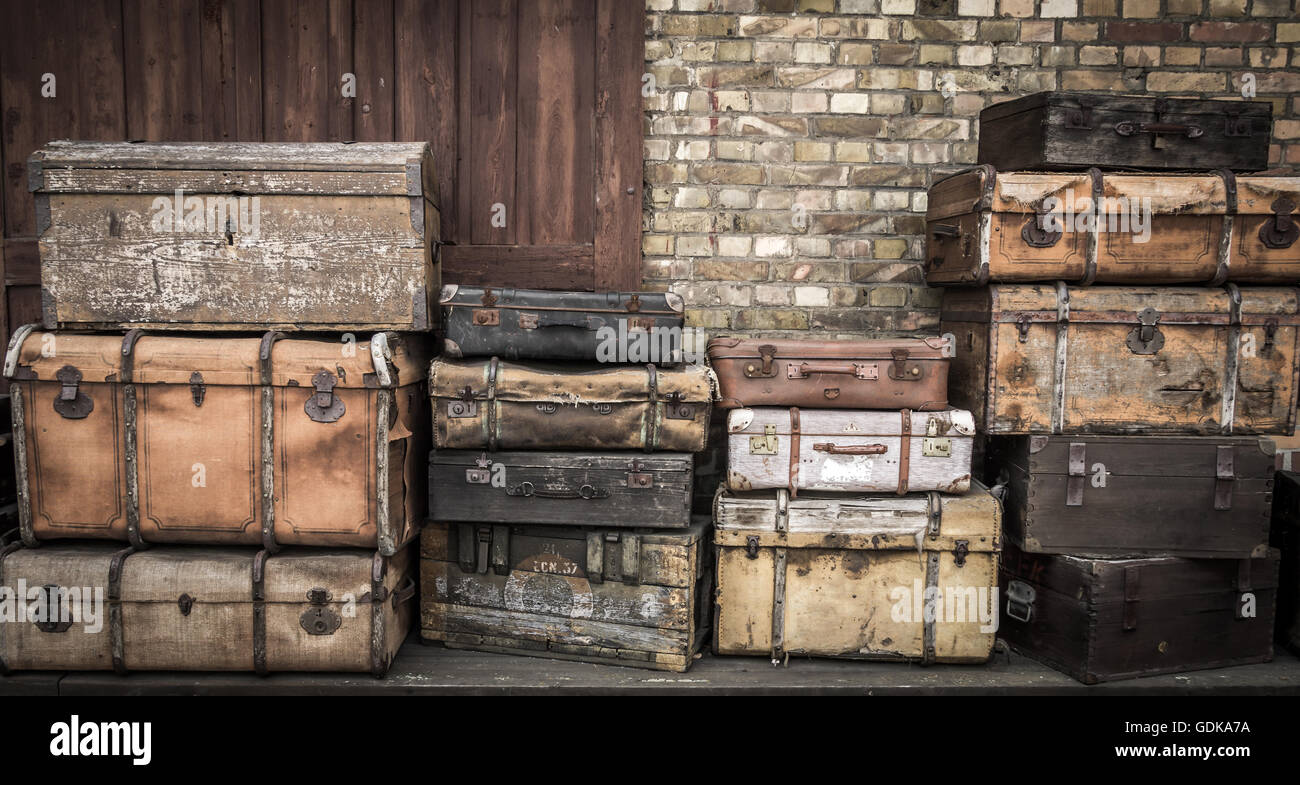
{"x":1077,"y":469}
{"x":1223,"y":477}
{"x":765,"y":444}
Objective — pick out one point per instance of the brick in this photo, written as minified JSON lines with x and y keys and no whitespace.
{"x":692,"y":151}
{"x":854,"y":320}
{"x":1288,"y":32}
{"x":1015,"y":55}
{"x":884,"y":174}
{"x":694,"y":245}
{"x":847,"y":296}
{"x":816,"y":78}
{"x":929,"y":153}
{"x":1245,"y":32}
{"x":1141,"y":9}
{"x":774,"y":200}
{"x":936,"y":7}
{"x":1267,"y":57}
{"x":772,"y":126}
{"x":888,"y":79}
{"x":727,"y":173}
{"x":889,"y":152}
{"x":1141,"y":56}
{"x":812,"y":296}
{"x":1018,"y":8}
{"x":1056,"y":55}
{"x":735,"y":50}
{"x":1227,"y":8}
{"x":731,"y":101}
{"x":974,"y":55}
{"x":1037,"y":32}
{"x":898,"y":7}
{"x":846,"y":223}
{"x":1182,"y":55}
{"x":1223,"y":56}
{"x":731,"y":150}
{"x":888,"y":296}
{"x":1286,"y":129}
{"x":766,"y":294}
{"x":820,"y":6}
{"x":1181,"y":82}
{"x":865,"y":272}
{"x":849,"y":126}
{"x":808,"y":272}
{"x":770,"y":101}
{"x":714,"y":270}
{"x":1091,"y":80}
{"x":657,"y":243}
{"x":778,"y":245}
{"x":771,"y":319}
{"x":852,"y":201}
{"x":890,"y":200}
{"x":734,"y":199}
{"x":1036,"y":81}
{"x":808,"y":102}
{"x":812,"y":53}
{"x":691,"y":197}
{"x":773,"y":51}
{"x":930,"y":128}
{"x":889,"y":248}
{"x":778,"y":26}
{"x":853,"y":151}
{"x":921,"y":103}
{"x":708,"y":319}
{"x":860,"y":6}
{"x":1079,"y":31}
{"x":870,"y":29}
{"x":812,"y":151}
{"x":774,"y":152}
{"x":1099,"y":7}
{"x":1141,"y":32}
{"x":699,"y":50}
{"x":1058,"y":9}
{"x":980,"y":8}
{"x":850,"y":103}
{"x":855,"y":54}
{"x":1184,"y":7}
{"x":999,"y":31}
{"x":812,"y":246}
{"x":658,"y":50}
{"x":1270,"y":8}
{"x":777,"y":6}
{"x":809,"y":175}
{"x":926,"y":297}
{"x":1098,"y":55}
{"x":932,"y":54}
{"x":939,"y":30}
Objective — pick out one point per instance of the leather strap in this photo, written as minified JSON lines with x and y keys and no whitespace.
{"x":1224,"y":251}
{"x":1093,"y":240}
{"x":116,"y":635}
{"x":904,"y":450}
{"x":268,"y":439}
{"x":652,"y":413}
{"x":259,"y":611}
{"x":131,"y":435}
{"x":379,"y":660}
{"x":794,"y":452}
{"x":491,"y":403}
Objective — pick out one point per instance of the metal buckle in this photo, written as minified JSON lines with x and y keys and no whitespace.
{"x":1020,"y":601}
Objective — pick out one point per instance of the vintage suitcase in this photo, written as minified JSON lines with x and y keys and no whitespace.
{"x":1286,"y":538}
{"x":591,"y":594}
{"x":532,"y":324}
{"x":235,"y":441}
{"x":1134,"y":496}
{"x":862,"y":577}
{"x":1107,"y":619}
{"x":1060,"y":130}
{"x":1005,"y":227}
{"x":597,"y":488}
{"x":100,"y":606}
{"x":1124,"y":360}
{"x":888,"y":373}
{"x":497,"y":405}
{"x":237,"y":236}
{"x":838,"y":450}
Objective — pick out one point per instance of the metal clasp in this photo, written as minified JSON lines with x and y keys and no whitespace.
{"x":765,"y":444}
{"x":1020,"y":601}
{"x":1280,"y":231}
{"x":318,"y":619}
{"x":960,"y":552}
{"x":638,"y":477}
{"x":197,"y":388}
{"x":751,"y":547}
{"x":1146,"y":338}
{"x":71,"y":402}
{"x":766,"y":354}
{"x":324,"y":405}
{"x":676,"y":407}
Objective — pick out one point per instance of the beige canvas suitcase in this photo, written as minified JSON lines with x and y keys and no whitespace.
{"x":237,"y":235}
{"x":860,"y":577}
{"x":594,"y":594}
{"x":226,"y":441}
{"x":100,"y":606}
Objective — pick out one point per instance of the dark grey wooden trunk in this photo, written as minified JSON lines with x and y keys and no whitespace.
{"x":523,"y":324}
{"x":1103,"y":620}
{"x":583,"y":488}
{"x":1286,"y":538}
{"x":1113,"y":496}
{"x":1057,"y":130}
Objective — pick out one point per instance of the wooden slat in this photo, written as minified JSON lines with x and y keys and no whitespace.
{"x":489,"y":148}
{"x":301,"y":101}
{"x":620,"y":61}
{"x":426,"y":91}
{"x":556,"y":196}
{"x":373,"y":111}
{"x":164,"y":73}
{"x":525,"y":267}
{"x":230,"y":37}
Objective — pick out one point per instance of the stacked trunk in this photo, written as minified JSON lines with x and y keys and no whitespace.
{"x":1125,"y":344}
{"x":562,"y":480}
{"x":219,"y":430}
{"x":849,"y":525}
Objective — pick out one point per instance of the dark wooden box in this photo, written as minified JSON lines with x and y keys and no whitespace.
{"x":1286,"y":538}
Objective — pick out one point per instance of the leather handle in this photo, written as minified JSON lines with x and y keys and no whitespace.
{"x":406,"y":592}
{"x":1127,"y":128}
{"x":943,"y":231}
{"x":581,"y":492}
{"x":860,"y":370}
{"x":581,"y":322}
{"x":850,"y":449}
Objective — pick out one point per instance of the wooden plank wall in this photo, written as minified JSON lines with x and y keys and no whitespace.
{"x":531,"y":104}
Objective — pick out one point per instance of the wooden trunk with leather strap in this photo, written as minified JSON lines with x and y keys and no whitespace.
{"x":495,"y":405}
{"x":172,"y":438}
{"x":883,"y":373}
{"x":594,"y":594}
{"x":102,"y":607}
{"x":859,"y":577}
{"x":844,"y":450}
{"x":985,"y":226}
{"x":1106,"y":619}
{"x":1125,"y":360}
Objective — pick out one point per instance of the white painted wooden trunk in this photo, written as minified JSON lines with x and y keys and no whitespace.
{"x":841,"y":450}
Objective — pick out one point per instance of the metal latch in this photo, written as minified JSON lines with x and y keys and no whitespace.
{"x":960,"y":552}
{"x":1280,"y":231}
{"x":488,"y":299}
{"x":1077,"y":469}
{"x":1035,"y":232}
{"x":324,"y":405}
{"x":1223,"y":477}
{"x":71,"y":402}
{"x":633,"y":303}
{"x":677,"y":408}
{"x":485,"y":317}
{"x":197,"y":388}
{"x":1146,"y":338}
{"x":481,"y":475}
{"x":53,"y":616}
{"x":1020,"y":601}
{"x":764,"y":369}
{"x":318,"y":619}
{"x":765,"y":444}
{"x":1022,"y":327}
{"x":933,"y":445}
{"x":186,"y":603}
{"x":527,"y":321}
{"x":899,"y":371}
{"x":465,"y":406}
{"x":751,"y":546}
{"x":638,"y":477}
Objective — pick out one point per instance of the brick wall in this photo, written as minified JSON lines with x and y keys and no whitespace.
{"x":789,"y":143}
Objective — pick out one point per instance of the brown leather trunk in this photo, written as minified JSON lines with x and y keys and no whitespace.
{"x":987,"y":226}
{"x":895,"y":373}
{"x":100,"y":606}
{"x":182,"y":439}
{"x":494,"y":405}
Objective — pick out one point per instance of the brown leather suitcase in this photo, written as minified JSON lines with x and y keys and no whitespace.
{"x":986,"y":226}
{"x":495,"y":405}
{"x":99,"y":606}
{"x":1125,"y":360}
{"x":1106,"y":619}
{"x":890,"y":373}
{"x":232,"y":441}
{"x":321,"y":236}
{"x":592,"y":594}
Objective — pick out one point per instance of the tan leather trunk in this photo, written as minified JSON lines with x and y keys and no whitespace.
{"x":986,"y":226}
{"x":593,"y":594}
{"x":495,"y":405}
{"x":1125,"y":360}
{"x":858,"y":577}
{"x":236,"y":441}
{"x":889,"y":373}
{"x":99,"y":606}
{"x":297,"y":236}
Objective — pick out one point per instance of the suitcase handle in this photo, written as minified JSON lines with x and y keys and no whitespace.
{"x":538,"y":321}
{"x":860,"y":370}
{"x":582,"y":492}
{"x":850,"y":449}
{"x":1128,"y":128}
